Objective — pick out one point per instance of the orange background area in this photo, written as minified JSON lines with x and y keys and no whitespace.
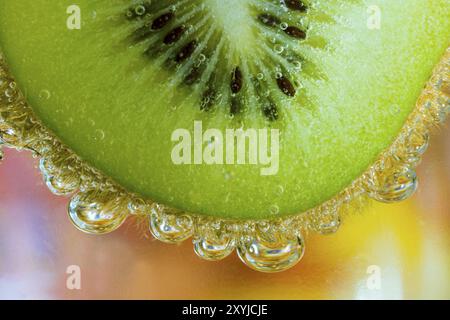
{"x":408,"y":244}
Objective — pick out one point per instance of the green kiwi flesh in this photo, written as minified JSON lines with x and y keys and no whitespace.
{"x":336,"y":78}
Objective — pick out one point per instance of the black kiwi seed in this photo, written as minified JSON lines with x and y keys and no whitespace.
{"x":186,"y":52}
{"x":295,"y":32}
{"x":295,"y":5}
{"x":174,"y":35}
{"x":178,"y":34}
{"x":236,"y":80}
{"x":286,"y":86}
{"x":162,"y":21}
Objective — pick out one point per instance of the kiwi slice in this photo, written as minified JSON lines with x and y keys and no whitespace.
{"x":155,"y":96}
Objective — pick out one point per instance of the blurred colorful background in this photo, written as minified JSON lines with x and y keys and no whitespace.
{"x":406,"y":246}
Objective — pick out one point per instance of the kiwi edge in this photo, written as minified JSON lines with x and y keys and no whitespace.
{"x":264,"y":245}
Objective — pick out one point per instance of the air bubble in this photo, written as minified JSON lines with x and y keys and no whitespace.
{"x":169,"y":228}
{"x":297,"y":65}
{"x":11,"y":136}
{"x":137,"y":206}
{"x":230,"y":116}
{"x":9,"y":93}
{"x":59,"y":182}
{"x":331,"y":226}
{"x":279,"y":49}
{"x":329,"y":219}
{"x":417,"y":144}
{"x":94,"y":213}
{"x":99,"y":134}
{"x":280,"y":190}
{"x":263,"y":226}
{"x":140,"y":10}
{"x":392,"y":184}
{"x":273,"y":253}
{"x":214,"y":241}
{"x":44,"y":94}
{"x":274,"y":209}
{"x":213,"y":250}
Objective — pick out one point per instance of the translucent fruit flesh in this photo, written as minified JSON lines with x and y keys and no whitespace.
{"x":117,"y":108}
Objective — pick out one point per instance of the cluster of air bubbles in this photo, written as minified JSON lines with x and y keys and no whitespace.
{"x":265,"y":246}
{"x":11,"y":91}
{"x":392,"y":184}
{"x":330,"y":219}
{"x":394,"y":178}
{"x":201,"y":59}
{"x":138,"y":10}
{"x":416,"y":146}
{"x":137,"y":206}
{"x":59,"y":182}
{"x":169,"y":227}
